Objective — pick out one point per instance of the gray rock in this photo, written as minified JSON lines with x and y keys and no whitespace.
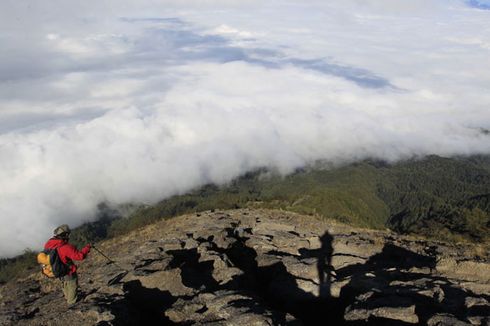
{"x":445,"y":320}
{"x":435,"y":293}
{"x":479,"y":320}
{"x":473,"y":301}
{"x":373,"y":304}
{"x":405,"y":314}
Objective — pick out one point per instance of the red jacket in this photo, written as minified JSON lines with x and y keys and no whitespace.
{"x":67,"y":252}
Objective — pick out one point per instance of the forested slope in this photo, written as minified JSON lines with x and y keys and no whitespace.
{"x":435,"y":196}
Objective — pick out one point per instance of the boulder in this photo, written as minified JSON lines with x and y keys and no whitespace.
{"x":444,"y":320}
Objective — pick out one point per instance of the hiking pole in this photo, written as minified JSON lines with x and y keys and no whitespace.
{"x":84,"y":238}
{"x":110,"y":260}
{"x":118,"y":277}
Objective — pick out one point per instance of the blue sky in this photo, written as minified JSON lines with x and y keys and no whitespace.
{"x":119,"y":101}
{"x":481,"y":4}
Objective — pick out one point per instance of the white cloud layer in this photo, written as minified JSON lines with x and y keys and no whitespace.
{"x":124,"y":101}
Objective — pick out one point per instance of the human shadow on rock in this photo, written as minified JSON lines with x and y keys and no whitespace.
{"x":279,"y":289}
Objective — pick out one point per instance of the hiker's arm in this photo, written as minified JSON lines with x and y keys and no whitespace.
{"x":75,"y":254}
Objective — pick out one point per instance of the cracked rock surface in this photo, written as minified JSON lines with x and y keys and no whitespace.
{"x":262,"y":267}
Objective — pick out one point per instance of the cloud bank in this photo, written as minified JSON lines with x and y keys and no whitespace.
{"x":117,"y":102}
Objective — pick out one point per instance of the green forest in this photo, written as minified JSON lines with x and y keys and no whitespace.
{"x":441,"y":198}
{"x":436,"y":197}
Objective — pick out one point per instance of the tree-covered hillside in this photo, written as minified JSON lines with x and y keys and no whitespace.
{"x":439,"y":197}
{"x":435,"y":196}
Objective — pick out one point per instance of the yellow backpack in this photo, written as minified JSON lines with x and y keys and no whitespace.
{"x":51,"y":264}
{"x":43,"y":260}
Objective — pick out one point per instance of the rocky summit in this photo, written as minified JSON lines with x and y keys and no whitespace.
{"x":261,"y":267}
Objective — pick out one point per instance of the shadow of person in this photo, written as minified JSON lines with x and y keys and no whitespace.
{"x":325,"y":270}
{"x":324,"y":265}
{"x":274,"y":285}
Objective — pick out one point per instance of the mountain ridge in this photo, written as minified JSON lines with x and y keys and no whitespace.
{"x":263,"y":267}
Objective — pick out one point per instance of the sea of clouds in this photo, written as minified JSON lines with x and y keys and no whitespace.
{"x":125,"y":101}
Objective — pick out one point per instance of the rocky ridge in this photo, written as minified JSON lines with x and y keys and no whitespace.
{"x":261,"y":267}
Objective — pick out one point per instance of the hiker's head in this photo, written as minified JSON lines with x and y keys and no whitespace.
{"x":62,"y":232}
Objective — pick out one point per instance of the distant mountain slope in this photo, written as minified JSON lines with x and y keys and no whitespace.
{"x":434,"y":196}
{"x":439,"y":197}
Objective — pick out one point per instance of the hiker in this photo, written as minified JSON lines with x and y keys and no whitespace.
{"x":67,"y":253}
